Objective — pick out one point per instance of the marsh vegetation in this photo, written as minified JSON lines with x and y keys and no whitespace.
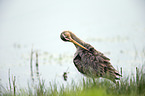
{"x":128,"y":86}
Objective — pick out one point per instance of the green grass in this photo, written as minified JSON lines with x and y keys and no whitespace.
{"x":127,"y":86}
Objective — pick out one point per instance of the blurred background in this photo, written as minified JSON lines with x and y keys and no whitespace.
{"x":114,"y":27}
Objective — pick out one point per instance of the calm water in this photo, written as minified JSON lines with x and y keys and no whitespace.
{"x":116,"y":28}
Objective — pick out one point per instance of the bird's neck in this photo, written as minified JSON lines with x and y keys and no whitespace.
{"x":74,"y":37}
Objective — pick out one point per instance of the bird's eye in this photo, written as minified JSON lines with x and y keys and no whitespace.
{"x":66,"y":37}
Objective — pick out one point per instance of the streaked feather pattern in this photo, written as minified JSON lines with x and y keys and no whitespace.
{"x":93,"y":63}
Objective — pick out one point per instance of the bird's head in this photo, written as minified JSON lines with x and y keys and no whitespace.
{"x":69,"y":36}
{"x":66,"y":36}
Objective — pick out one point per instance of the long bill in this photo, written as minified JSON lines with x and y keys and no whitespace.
{"x":73,"y":41}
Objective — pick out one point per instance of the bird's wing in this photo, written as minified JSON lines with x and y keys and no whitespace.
{"x":95,"y":64}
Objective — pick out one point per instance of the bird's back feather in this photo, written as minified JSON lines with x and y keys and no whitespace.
{"x":94,"y":64}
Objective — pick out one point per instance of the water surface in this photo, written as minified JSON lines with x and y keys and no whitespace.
{"x":116,"y":28}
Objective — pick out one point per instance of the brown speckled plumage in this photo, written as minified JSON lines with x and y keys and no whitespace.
{"x":89,"y":61}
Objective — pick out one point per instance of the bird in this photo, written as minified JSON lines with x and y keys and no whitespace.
{"x":90,"y":61}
